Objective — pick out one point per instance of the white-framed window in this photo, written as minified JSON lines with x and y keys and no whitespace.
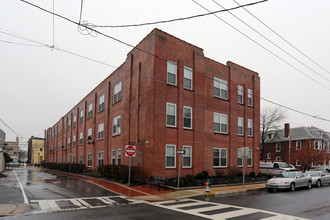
{"x":73,"y":158}
{"x":269,"y":156}
{"x":298,"y":164}
{"x":100,"y":131}
{"x":186,"y":163}
{"x":170,"y":114}
{"x":171,"y":73}
{"x":69,"y":124}
{"x":117,"y":93}
{"x":239,"y":159}
{"x":89,"y":133}
{"x":278,"y":147}
{"x":119,"y":156}
{"x":69,"y":158}
{"x":81,"y":116}
{"x":220,"y":88}
{"x":89,"y":160}
{"x":116,"y":125}
{"x":90,"y":111}
{"x":250,"y":97}
{"x":298,"y":145}
{"x":113,"y":157}
{"x":170,"y":156}
{"x":278,"y":158}
{"x":101,"y":103}
{"x":249,"y":160}
{"x":74,"y":121}
{"x":187,"y":80}
{"x":220,"y":123}
{"x":240,"y":129}
{"x":250,"y":127}
{"x":187,"y":117}
{"x":100,"y":158}
{"x":74,"y":141}
{"x":80,"y":158}
{"x":80,"y":138}
{"x":240,"y":94}
{"x":317,"y":145}
{"x":220,"y":157}
{"x":69,"y":142}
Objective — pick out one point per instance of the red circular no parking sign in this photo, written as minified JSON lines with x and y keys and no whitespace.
{"x":130,"y":151}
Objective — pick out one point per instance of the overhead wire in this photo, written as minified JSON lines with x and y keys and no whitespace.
{"x":272,"y":30}
{"x":11,"y":129}
{"x":149,"y":53}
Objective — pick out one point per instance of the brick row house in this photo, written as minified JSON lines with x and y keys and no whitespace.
{"x":276,"y":146}
{"x":165,"y":97}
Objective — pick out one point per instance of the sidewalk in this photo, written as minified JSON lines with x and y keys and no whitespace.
{"x":152,"y":194}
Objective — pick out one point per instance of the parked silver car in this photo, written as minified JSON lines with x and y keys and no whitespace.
{"x":289,"y":180}
{"x":319,"y":177}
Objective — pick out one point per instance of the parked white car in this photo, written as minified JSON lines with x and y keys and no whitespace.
{"x":289,"y":180}
{"x":319,"y":177}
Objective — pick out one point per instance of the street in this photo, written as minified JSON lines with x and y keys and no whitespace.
{"x":56,"y":197}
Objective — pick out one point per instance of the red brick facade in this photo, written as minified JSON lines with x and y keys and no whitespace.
{"x":145,"y":93}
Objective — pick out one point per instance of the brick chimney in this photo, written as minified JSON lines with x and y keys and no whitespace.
{"x":286,"y":130}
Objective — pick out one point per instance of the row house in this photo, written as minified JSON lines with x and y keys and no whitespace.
{"x":166,"y":96}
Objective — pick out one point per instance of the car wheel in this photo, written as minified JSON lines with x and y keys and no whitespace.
{"x":309,"y":184}
{"x":292,"y":187}
{"x":318,"y":183}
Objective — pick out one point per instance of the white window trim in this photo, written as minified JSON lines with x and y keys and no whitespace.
{"x":278,"y":158}
{"x":297,"y":145}
{"x":250,"y":122}
{"x":90,"y":160}
{"x":238,"y":125}
{"x":219,"y":114}
{"x":190,"y":162}
{"x":170,"y":145}
{"x":167,"y":125}
{"x":176,"y":73}
{"x":238,"y":156}
{"x":220,"y":156}
{"x":191,"y":78}
{"x":101,"y":101}
{"x":298,"y":164}
{"x":114,"y":122}
{"x":119,"y":157}
{"x":251,"y":159}
{"x":89,"y":132}
{"x":191,"y":113}
{"x":240,"y":92}
{"x":278,"y":147}
{"x":223,"y":85}
{"x":113,"y":156}
{"x":250,"y":96}
{"x":116,"y":90}
{"x":101,"y":125}
{"x":269,"y":156}
{"x":98,"y":157}
{"x":81,"y":137}
{"x":90,"y":111}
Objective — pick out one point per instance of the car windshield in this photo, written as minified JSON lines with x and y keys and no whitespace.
{"x":286,"y":175}
{"x":313,"y":173}
{"x":284,"y":165}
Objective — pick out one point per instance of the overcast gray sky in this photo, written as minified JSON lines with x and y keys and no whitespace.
{"x":39,"y":85}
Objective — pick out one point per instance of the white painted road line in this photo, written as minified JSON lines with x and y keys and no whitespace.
{"x":26,"y":201}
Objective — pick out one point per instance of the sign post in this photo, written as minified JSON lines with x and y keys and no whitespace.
{"x":244,"y":155}
{"x":130,"y":151}
{"x":181,"y":152}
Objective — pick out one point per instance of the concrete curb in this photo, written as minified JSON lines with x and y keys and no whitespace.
{"x":13,"y":209}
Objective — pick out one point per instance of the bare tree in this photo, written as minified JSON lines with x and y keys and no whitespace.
{"x":270,"y":119}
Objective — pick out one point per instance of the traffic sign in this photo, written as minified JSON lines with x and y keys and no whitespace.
{"x":130,"y":151}
{"x":180,"y":151}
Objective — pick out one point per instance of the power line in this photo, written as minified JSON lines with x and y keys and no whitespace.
{"x":10,"y":128}
{"x":170,"y":20}
{"x":270,"y":41}
{"x":282,"y":38}
{"x":149,"y":53}
{"x":21,"y":44}
{"x":280,"y":58}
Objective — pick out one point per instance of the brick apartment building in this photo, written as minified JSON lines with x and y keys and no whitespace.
{"x":166,"y":96}
{"x":276,"y":146}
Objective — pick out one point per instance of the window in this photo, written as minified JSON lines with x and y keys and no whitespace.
{"x":101,"y":103}
{"x":186,"y":157}
{"x":69,"y":142}
{"x":74,"y":121}
{"x":220,"y":88}
{"x":116,"y":125}
{"x":220,"y":123}
{"x":269,"y":156}
{"x":278,"y":158}
{"x":318,"y":145}
{"x":170,"y":114}
{"x":80,"y":138}
{"x":117,"y":93}
{"x":187,"y":116}
{"x":250,"y":127}
{"x":80,"y":158}
{"x":74,"y":141}
{"x":278,"y":147}
{"x":90,"y":111}
{"x":73,"y":158}
{"x":249,"y":160}
{"x":89,"y":159}
{"x":119,"y":156}
{"x":89,"y":133}
{"x":239,"y":159}
{"x":100,"y":131}
{"x":171,"y":73}
{"x":298,"y":145}
{"x":250,"y":97}
{"x":170,"y":156}
{"x":187,"y":81}
{"x":240,"y":94}
{"x":100,"y":158}
{"x":240,"y":129}
{"x":113,"y":157}
{"x":69,"y":158}
{"x":69,"y":124}
{"x":81,"y":116}
{"x":219,"y":157}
